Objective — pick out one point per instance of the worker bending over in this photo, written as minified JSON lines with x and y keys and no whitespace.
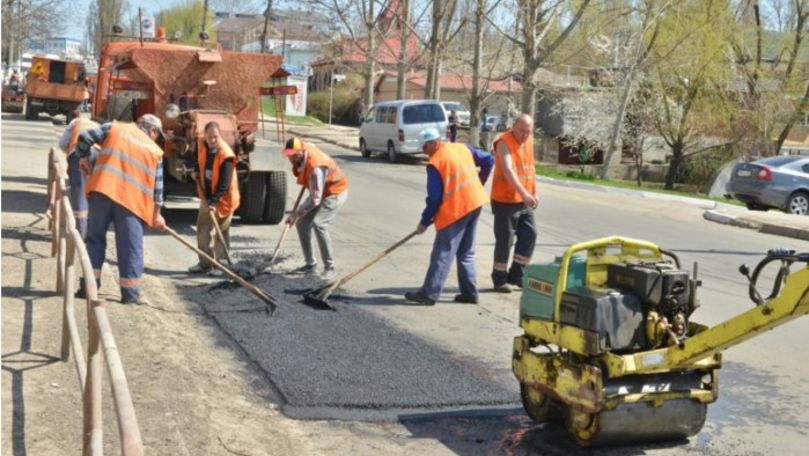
{"x":76,"y":178}
{"x":218,"y":193}
{"x":328,"y":191}
{"x":455,"y":195}
{"x":514,"y":198}
{"x":124,"y":187}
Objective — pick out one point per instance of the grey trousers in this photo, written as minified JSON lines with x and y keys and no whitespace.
{"x":206,"y":233}
{"x":317,"y":220}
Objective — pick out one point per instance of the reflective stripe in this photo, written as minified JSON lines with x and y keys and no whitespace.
{"x":80,"y":214}
{"x":501,"y":267}
{"x":97,"y":273}
{"x":149,"y":192}
{"x":129,"y":283}
{"x":460,"y":186}
{"x":521,"y":259}
{"x":137,"y":142}
{"x":458,"y":174}
{"x":131,"y":160}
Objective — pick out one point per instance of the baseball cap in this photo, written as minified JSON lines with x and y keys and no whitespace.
{"x":153,"y":121}
{"x":293,"y":146}
{"x":427,"y":135}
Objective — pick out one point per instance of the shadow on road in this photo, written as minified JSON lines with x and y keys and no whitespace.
{"x":22,"y":201}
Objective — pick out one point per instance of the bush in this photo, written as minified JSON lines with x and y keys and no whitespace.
{"x":345,"y":104}
{"x":701,"y":169}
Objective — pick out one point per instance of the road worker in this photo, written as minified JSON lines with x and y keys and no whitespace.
{"x":76,"y":178}
{"x":455,"y":196}
{"x":218,"y":193}
{"x":514,"y":198}
{"x":328,"y":191}
{"x":125,"y":186}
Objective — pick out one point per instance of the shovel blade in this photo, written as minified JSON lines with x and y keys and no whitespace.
{"x":317,"y":300}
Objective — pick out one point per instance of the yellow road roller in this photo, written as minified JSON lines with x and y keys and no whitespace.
{"x":609,"y":346}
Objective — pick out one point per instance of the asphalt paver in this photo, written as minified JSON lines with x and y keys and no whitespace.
{"x":348,"y":363}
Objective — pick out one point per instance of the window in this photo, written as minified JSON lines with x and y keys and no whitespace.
{"x":422,"y":113}
{"x":381,"y":114}
{"x":392,"y":115}
{"x":806,"y":168}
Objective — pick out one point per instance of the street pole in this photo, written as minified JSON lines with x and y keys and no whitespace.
{"x":331,"y":94}
{"x":204,"y":15}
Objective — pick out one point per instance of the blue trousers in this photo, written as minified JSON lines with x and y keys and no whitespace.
{"x":128,"y":242}
{"x":453,"y":242}
{"x":78,"y":200}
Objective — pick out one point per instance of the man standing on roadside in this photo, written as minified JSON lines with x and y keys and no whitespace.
{"x":125,"y":186}
{"x":218,"y":193}
{"x":514,"y":198}
{"x":328,"y":191}
{"x":77,"y":179}
{"x":455,"y":195}
{"x":453,"y":125}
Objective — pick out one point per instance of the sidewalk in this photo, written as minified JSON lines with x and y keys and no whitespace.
{"x":771,"y":222}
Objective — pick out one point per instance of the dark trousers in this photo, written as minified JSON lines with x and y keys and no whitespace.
{"x":512,"y":221}
{"x":455,"y":242}
{"x":453,"y":133}
{"x":78,"y":200}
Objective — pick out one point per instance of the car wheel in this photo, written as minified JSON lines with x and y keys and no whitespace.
{"x":755,"y":207}
{"x":798,"y":203}
{"x":364,"y":149}
{"x":392,"y":156}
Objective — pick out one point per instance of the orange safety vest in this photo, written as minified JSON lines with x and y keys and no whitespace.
{"x":125,"y":170}
{"x":229,"y":202}
{"x":336,"y":182}
{"x":78,"y":125}
{"x":463,"y":192}
{"x":522,"y":159}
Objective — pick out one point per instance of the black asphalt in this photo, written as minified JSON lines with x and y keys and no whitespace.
{"x":349,"y":363}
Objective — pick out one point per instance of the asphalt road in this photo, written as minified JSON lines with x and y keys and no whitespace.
{"x":763,"y":392}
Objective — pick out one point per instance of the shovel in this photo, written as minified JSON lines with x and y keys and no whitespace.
{"x":286,"y":229}
{"x":271,"y":302}
{"x":218,"y":229}
{"x":319,"y":297}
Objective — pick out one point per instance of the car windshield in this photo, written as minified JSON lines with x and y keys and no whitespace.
{"x":777,"y":161}
{"x":422,"y":113}
{"x":454,"y":106}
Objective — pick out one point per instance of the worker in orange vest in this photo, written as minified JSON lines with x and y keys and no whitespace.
{"x":455,"y":195}
{"x":218,"y":193}
{"x":514,"y":199}
{"x":328,"y":191}
{"x":125,"y":186}
{"x":76,"y":178}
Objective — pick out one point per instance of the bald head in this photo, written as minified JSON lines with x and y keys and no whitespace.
{"x":523,"y":128}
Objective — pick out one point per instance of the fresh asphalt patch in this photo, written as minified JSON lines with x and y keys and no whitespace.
{"x":349,"y":364}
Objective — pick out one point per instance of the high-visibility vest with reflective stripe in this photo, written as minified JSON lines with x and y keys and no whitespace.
{"x":125,"y":170}
{"x":463,"y":192}
{"x":336,"y":182}
{"x":522,"y":160}
{"x":78,"y":125}
{"x":229,"y":202}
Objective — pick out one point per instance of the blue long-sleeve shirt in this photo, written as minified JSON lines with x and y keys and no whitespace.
{"x":97,"y":136}
{"x":435,"y":186}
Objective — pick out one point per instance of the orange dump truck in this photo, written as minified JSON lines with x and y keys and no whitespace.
{"x":54,"y":86}
{"x":187,"y":87}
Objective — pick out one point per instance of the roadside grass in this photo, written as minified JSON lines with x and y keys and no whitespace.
{"x":268,"y":106}
{"x":657,"y":187}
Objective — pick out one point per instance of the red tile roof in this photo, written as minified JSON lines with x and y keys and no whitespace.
{"x":388,"y":52}
{"x":462,"y":82}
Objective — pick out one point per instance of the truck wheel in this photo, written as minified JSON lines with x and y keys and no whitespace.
{"x":31,"y":112}
{"x":69,"y":116}
{"x":392,"y":156}
{"x":251,"y":208}
{"x":275,"y":200}
{"x":364,"y":149}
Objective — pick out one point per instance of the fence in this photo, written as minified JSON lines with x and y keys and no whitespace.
{"x":69,"y":249}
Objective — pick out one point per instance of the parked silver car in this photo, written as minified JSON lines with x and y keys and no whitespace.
{"x":460,"y":109}
{"x":776,"y":182}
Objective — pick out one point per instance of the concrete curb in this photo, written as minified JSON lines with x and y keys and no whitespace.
{"x":760,"y":226}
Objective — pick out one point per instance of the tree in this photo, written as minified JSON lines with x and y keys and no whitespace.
{"x":28,"y":19}
{"x":185,"y":17}
{"x":109,"y":13}
{"x":267,"y":14}
{"x":404,"y":31}
{"x":441,"y":34}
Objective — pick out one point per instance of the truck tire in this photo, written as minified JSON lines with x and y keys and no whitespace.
{"x":31,"y":112}
{"x":251,"y":208}
{"x":275,"y":199}
{"x":69,"y":116}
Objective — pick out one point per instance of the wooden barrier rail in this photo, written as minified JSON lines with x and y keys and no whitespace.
{"x":69,"y":249}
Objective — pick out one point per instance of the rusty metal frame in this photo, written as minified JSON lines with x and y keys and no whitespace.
{"x":69,"y":248}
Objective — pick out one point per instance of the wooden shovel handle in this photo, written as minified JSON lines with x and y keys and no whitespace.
{"x":286,"y":227}
{"x":218,"y":229}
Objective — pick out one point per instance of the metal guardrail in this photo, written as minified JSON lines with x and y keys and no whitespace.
{"x":69,"y":249}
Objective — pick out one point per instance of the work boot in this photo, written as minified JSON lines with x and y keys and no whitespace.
{"x":329,"y":274}
{"x":419,"y":298}
{"x":466,"y":299}
{"x":141,"y":300}
{"x":515,"y":274}
{"x":215,"y":273}
{"x":199,"y":269}
{"x":500,"y":282}
{"x":305,"y":269}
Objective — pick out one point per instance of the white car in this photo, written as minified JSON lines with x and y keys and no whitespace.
{"x":463,"y":113}
{"x":393,"y":127}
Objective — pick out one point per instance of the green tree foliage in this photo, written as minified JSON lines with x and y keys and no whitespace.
{"x":185,"y":17}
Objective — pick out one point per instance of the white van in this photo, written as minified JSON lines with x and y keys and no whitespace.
{"x":393,"y":127}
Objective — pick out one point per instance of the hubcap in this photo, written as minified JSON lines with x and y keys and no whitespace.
{"x":799,"y":205}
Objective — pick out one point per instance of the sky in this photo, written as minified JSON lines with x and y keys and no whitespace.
{"x":75,"y":23}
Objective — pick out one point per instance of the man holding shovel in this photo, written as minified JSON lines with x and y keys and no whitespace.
{"x":218,"y":192}
{"x":328,"y":191}
{"x":455,"y":195}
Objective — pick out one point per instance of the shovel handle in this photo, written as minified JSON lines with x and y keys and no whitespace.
{"x":218,"y":229}
{"x":286,"y":227}
{"x":250,"y":287}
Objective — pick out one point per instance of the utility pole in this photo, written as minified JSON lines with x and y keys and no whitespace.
{"x":204,"y":15}
{"x":266,"y":25}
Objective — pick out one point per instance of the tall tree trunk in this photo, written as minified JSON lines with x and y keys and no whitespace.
{"x":370,"y":60}
{"x":677,"y":153}
{"x":404,"y":30}
{"x":267,"y":13}
{"x":434,"y":45}
{"x":204,"y":16}
{"x":475,"y":95}
{"x":619,"y":121}
{"x":792,"y":120}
